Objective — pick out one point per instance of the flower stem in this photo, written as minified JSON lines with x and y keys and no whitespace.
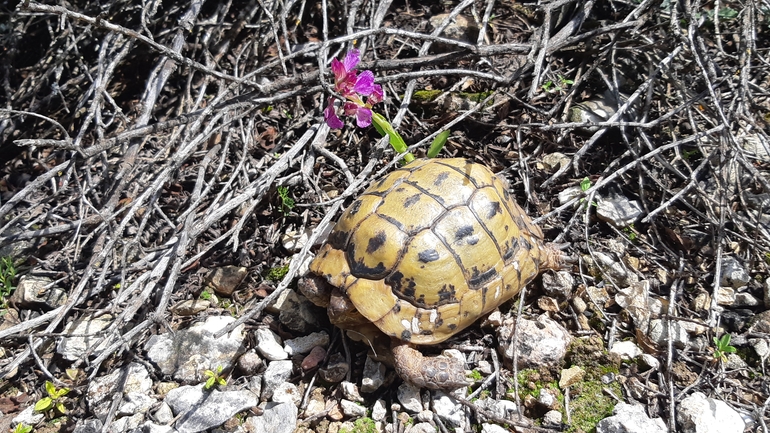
{"x":385,"y":128}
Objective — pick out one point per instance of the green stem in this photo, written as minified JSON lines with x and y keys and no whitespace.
{"x":385,"y":128}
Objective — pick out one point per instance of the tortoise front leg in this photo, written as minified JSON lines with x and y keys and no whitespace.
{"x":433,"y":372}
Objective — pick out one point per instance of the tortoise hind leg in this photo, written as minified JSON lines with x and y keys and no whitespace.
{"x":433,"y":372}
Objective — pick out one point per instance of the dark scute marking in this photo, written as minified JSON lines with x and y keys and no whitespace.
{"x":440,"y":178}
{"x":447,"y":294}
{"x":494,"y":209}
{"x":480,"y":278}
{"x":473,"y":240}
{"x":426,"y":332}
{"x":376,"y":242}
{"x":439,"y":321}
{"x":452,"y":326}
{"x":463,"y":232}
{"x":525,"y":243}
{"x":508,"y":253}
{"x":355,"y":207}
{"x":401,"y":286}
{"x":406,"y":335}
{"x":396,"y":308}
{"x":338,"y":239}
{"x":411,"y":200}
{"x":359,"y":269}
{"x":428,"y":256}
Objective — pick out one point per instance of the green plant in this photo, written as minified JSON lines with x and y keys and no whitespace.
{"x":287,"y":203}
{"x":7,"y":276}
{"x":561,"y":86}
{"x":205,"y":295}
{"x":475,"y":375}
{"x":22,"y":428}
{"x":214,"y":378}
{"x":276,"y":273}
{"x":361,"y":425}
{"x":630,"y":232}
{"x":54,"y":400}
{"x":585,"y":185}
{"x":722,"y":347}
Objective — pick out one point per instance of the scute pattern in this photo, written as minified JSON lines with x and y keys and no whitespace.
{"x":429,"y":248}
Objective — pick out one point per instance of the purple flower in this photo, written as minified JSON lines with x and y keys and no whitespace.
{"x":353,"y":87}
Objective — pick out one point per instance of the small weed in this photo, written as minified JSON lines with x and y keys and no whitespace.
{"x":722,"y":348}
{"x":22,"y":428}
{"x":205,"y":295}
{"x":277,"y":273}
{"x":214,"y":378}
{"x":7,"y":276}
{"x":561,"y":86}
{"x":287,"y":203}
{"x":630,"y":232}
{"x":585,"y":185}
{"x":361,"y":425}
{"x":475,"y":375}
{"x":54,"y":400}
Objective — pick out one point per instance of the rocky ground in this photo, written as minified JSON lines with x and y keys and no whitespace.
{"x":167,"y":175}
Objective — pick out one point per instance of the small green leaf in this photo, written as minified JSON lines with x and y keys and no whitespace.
{"x":585,"y":184}
{"x":438,"y":143}
{"x":60,"y":407}
{"x":43,"y":404}
{"x":210,"y":382}
{"x":61,"y":393}
{"x":50,"y":388}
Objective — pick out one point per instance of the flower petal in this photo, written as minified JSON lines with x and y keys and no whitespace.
{"x":363,"y":117}
{"x":339,"y":71}
{"x":376,"y":96}
{"x":330,"y":115}
{"x":364,"y":83}
{"x":350,"y":108}
{"x":352,"y":59}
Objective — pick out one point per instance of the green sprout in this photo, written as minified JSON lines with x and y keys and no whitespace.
{"x":585,"y":185}
{"x":22,"y":428}
{"x":54,"y":400}
{"x":551,"y":86}
{"x":438,"y":144}
{"x":214,"y":378}
{"x":475,"y":375}
{"x":722,"y":348}
{"x":7,"y":276}
{"x":205,"y":295}
{"x":287,"y":203}
{"x":277,"y":273}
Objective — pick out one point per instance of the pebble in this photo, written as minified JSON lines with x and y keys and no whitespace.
{"x":336,"y":370}
{"x":249,"y":363}
{"x":275,"y":418}
{"x":315,"y":357}
{"x":540,"y":342}
{"x":409,"y":397}
{"x":277,"y":372}
{"x":352,"y":409}
{"x":303,"y":345}
{"x":626,"y":349}
{"x":733,"y":273}
{"x":698,"y":413}
{"x":164,"y":415}
{"x":492,"y":428}
{"x":658,"y":333}
{"x":630,"y":418}
{"x":374,"y":375}
{"x":350,"y":391}
{"x":287,"y":392}
{"x":379,"y":410}
{"x":269,"y":345}
{"x":552,"y":417}
{"x":449,"y":410}
{"x":571,"y":376}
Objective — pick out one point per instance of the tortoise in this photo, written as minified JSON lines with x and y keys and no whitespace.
{"x":422,"y":254}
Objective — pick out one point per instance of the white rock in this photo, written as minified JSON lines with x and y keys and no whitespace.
{"x":269,"y":345}
{"x":626,"y":349}
{"x":409,"y":397}
{"x":350,"y":391}
{"x":202,"y":410}
{"x":540,"y":342}
{"x":744,"y":299}
{"x":86,"y":334}
{"x":379,"y":411}
{"x":733,"y":273}
{"x":629,"y":418}
{"x":618,"y":211}
{"x":188,"y":353}
{"x":277,"y":372}
{"x":552,"y":417}
{"x":151,"y":427}
{"x":448,"y":409}
{"x":352,"y":409}
{"x":726,"y":296}
{"x":650,"y":361}
{"x":658,"y":333}
{"x":303,"y":345}
{"x":421,"y":427}
{"x":374,"y":375}
{"x":492,"y":428}
{"x":700,"y":414}
{"x":276,"y":418}
{"x":287,"y":392}
{"x":102,"y":390}
{"x":164,"y":415}
{"x":126,"y":423}
{"x":135,"y":403}
{"x":28,"y":416}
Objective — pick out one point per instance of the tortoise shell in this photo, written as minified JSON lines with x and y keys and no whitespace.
{"x":429,"y":248}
